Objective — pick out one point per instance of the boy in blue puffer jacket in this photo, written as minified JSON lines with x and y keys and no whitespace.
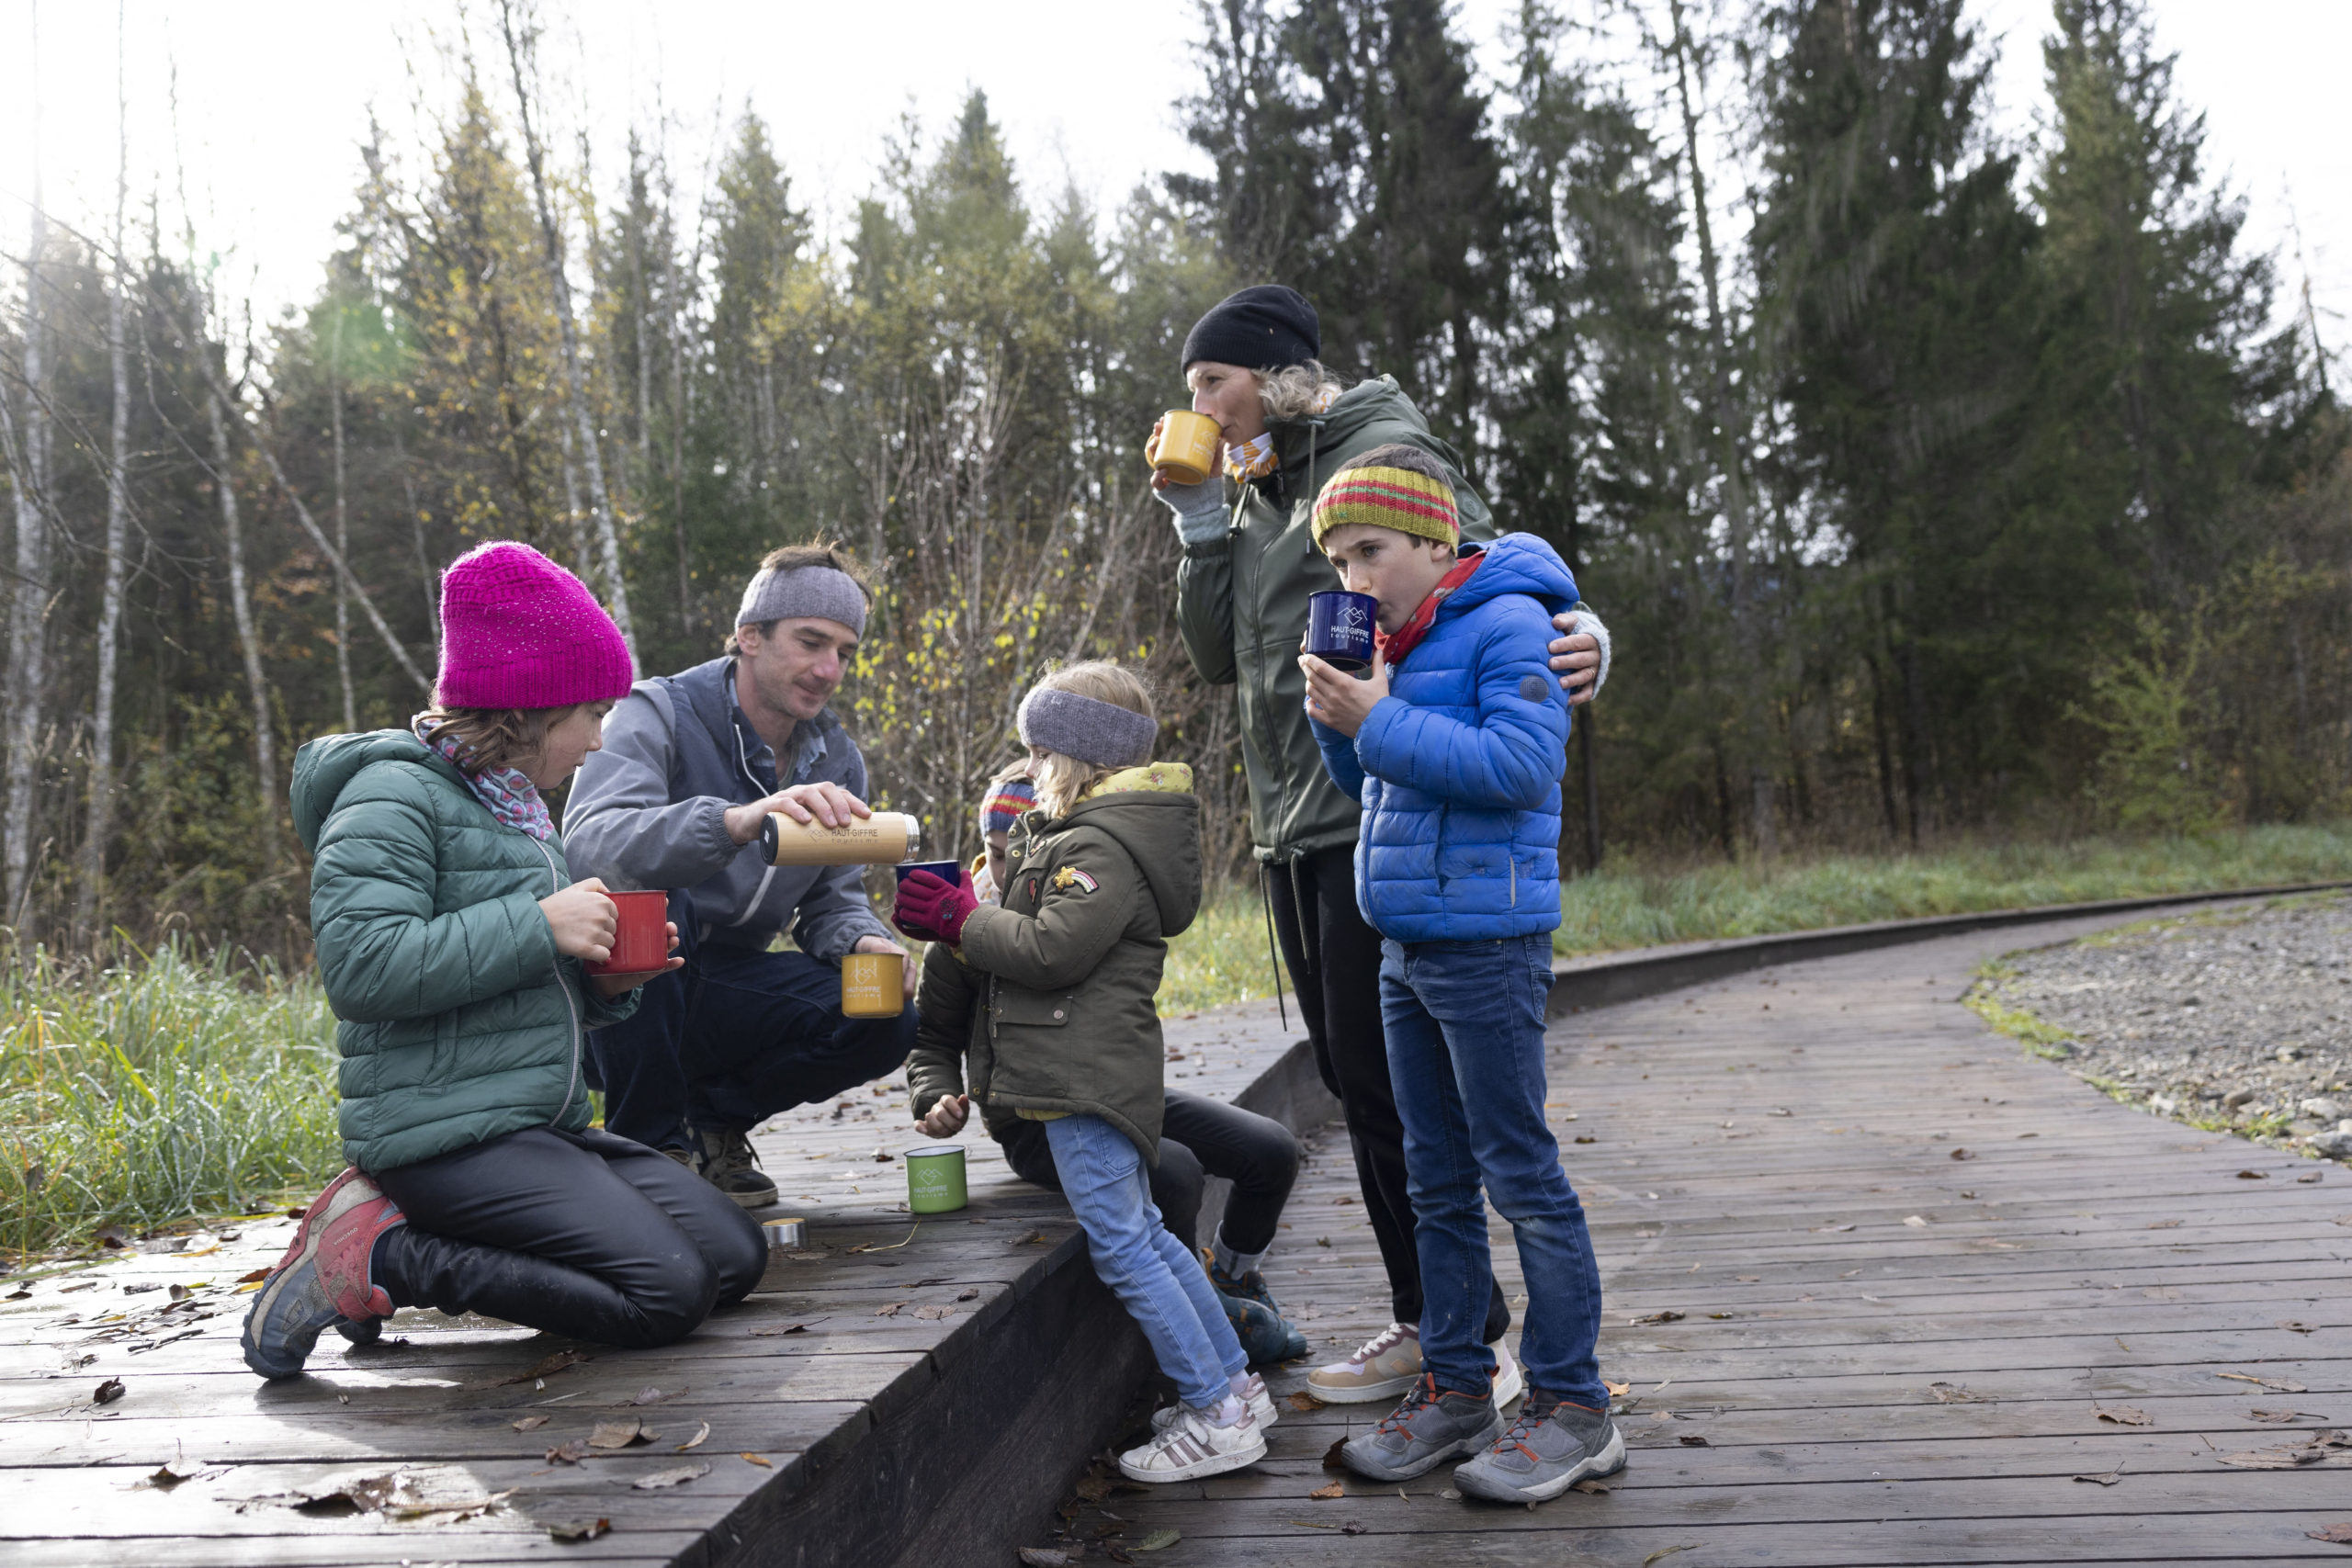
{"x":1455,"y":745}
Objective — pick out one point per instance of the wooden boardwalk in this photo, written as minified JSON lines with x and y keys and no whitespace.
{"x":1918,"y":1282}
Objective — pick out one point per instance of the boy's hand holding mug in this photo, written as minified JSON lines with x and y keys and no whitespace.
{"x":946,"y":1117}
{"x":1342,"y":701}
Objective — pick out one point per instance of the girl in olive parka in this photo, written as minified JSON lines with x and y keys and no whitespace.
{"x":1066,"y":1031}
{"x":451,"y":942}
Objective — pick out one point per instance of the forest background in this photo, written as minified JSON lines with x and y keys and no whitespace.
{"x":1963,"y":485}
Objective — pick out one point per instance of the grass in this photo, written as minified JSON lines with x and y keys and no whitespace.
{"x":161,"y":1087}
{"x":168,"y":1085}
{"x":1223,"y":957}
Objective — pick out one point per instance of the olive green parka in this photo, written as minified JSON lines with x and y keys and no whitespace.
{"x":460,"y":1020}
{"x":1051,"y":1006}
{"x":1241,"y":607}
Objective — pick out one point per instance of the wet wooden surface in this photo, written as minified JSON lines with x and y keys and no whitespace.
{"x":196,"y":1461}
{"x":1913,"y":1266}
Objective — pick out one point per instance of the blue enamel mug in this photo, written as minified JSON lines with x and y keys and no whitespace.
{"x":1340,"y":627}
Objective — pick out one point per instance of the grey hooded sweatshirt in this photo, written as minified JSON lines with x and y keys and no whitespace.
{"x":648,"y":811}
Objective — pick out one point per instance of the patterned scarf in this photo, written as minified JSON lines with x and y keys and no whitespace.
{"x":1254,"y":458}
{"x":1395,"y":645}
{"x":510,"y":796}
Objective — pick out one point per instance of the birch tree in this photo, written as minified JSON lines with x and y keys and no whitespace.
{"x":98,"y":820}
{"x":29,"y":610}
{"x":241,"y":606}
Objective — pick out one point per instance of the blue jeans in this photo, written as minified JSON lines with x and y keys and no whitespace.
{"x":731,"y":1039}
{"x":1158,"y":1278}
{"x":1464,"y":1022}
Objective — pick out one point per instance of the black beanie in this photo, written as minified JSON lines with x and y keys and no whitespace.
{"x":1265,"y":325}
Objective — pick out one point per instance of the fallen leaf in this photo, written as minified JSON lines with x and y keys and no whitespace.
{"x":1158,"y":1540}
{"x":1671,"y":1550}
{"x":1953,"y":1393}
{"x":888,"y":1309}
{"x":1033,"y":1235}
{"x":572,"y":1452}
{"x":1591,"y":1487}
{"x":972,"y":1295}
{"x":255,"y":1277}
{"x":529,"y":1423}
{"x":367,"y":1495}
{"x":677,"y":1477}
{"x":2291,"y":1326}
{"x":652,"y":1396}
{"x":2335,"y":1535}
{"x":579,"y":1530}
{"x":172,"y":1475}
{"x":1817,"y":1229}
{"x":1780,"y":1111}
{"x":1656,"y":1317}
{"x":1617,"y":1390}
{"x":1747,"y":1279}
{"x":1959,"y":1153}
{"x":934,"y":1314}
{"x":1353,"y":1527}
{"x":787,"y":1329}
{"x":754,"y":1458}
{"x":1303,"y":1400}
{"x":1915,"y":1222}
{"x":1332,"y":1456}
{"x":2272,"y":1414}
{"x":1586,"y":1138}
{"x":107,"y":1392}
{"x":2278,"y":1459}
{"x":1043,"y":1557}
{"x":546,"y":1368}
{"x":2253,"y":1176}
{"x":2275,"y":1385}
{"x":1692,"y":1440}
{"x":2127,"y":1416}
{"x":1325,"y":1494}
{"x":700,"y":1436}
{"x":2109,"y":1479}
{"x":616,"y":1435}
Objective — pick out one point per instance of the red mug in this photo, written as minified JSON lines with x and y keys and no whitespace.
{"x":642,"y":943}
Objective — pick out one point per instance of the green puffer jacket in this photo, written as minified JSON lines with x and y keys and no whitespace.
{"x":1241,"y":607}
{"x":1053,"y":1001}
{"x":459,"y":1019}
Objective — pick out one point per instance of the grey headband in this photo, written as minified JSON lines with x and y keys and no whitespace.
{"x":822,"y":592}
{"x":1087,"y":729}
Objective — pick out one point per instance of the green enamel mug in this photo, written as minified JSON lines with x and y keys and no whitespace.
{"x":936,"y":1180}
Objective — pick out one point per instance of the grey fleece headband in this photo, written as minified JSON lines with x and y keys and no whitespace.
{"x":1087,"y":729}
{"x":819,"y":590}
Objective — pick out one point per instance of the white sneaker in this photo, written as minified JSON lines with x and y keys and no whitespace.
{"x":1254,"y":1394}
{"x":1387,"y":1364}
{"x":1509,"y":1381}
{"x":1192,"y":1446}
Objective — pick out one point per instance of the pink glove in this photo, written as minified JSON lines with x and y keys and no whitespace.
{"x":934,"y":909}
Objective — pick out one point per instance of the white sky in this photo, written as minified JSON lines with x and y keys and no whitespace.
{"x":273,"y":99}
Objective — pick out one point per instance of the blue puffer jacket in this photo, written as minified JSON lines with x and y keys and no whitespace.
{"x":1459,"y":767}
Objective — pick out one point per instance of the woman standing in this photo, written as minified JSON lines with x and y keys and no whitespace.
{"x":1252,"y":363}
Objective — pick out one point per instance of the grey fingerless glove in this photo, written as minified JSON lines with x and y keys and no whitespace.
{"x":1199,"y":509}
{"x":1583,"y":619}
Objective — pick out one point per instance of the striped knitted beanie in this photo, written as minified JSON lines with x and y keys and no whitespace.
{"x":1004,"y":803}
{"x":1388,"y":498}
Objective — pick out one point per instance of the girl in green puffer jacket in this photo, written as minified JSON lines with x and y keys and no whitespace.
{"x":451,"y":940}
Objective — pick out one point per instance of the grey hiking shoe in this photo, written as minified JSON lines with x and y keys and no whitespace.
{"x":730,"y":1163}
{"x":1423,"y":1433}
{"x":1549,"y":1449}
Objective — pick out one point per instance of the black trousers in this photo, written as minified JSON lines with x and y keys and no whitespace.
{"x":731,"y":1039}
{"x":1198,"y":1138}
{"x":581,"y":1233}
{"x":1333,"y":956}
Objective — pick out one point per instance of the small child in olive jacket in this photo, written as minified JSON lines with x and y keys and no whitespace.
{"x":1064,"y":1030}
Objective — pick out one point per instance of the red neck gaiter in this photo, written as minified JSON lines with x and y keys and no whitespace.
{"x":1395,"y":645}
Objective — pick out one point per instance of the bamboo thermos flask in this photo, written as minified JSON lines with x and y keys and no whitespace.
{"x":884,"y":839}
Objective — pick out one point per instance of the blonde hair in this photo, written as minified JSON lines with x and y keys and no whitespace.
{"x":1293,"y":392}
{"x":492,"y":737}
{"x":1062,"y":782}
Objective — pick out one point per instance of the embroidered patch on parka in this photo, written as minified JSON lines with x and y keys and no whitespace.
{"x":1069,"y":876}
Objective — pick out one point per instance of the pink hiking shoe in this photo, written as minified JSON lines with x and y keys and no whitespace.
{"x":323,"y":1278}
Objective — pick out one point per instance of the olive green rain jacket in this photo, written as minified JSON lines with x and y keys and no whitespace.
{"x":1241,"y":607}
{"x":460,"y":1020}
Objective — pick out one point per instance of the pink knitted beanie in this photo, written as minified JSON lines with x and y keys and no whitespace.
{"x":518,"y":631}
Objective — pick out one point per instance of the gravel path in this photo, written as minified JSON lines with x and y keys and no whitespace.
{"x":2239,"y":1018}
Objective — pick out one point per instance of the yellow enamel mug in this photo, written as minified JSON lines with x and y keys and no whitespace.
{"x":1186,"y":449}
{"x":874,"y":984}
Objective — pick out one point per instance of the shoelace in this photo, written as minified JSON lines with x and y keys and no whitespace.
{"x":1387,"y":1338}
{"x":1423,"y":1396}
{"x":1530,"y":1416}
